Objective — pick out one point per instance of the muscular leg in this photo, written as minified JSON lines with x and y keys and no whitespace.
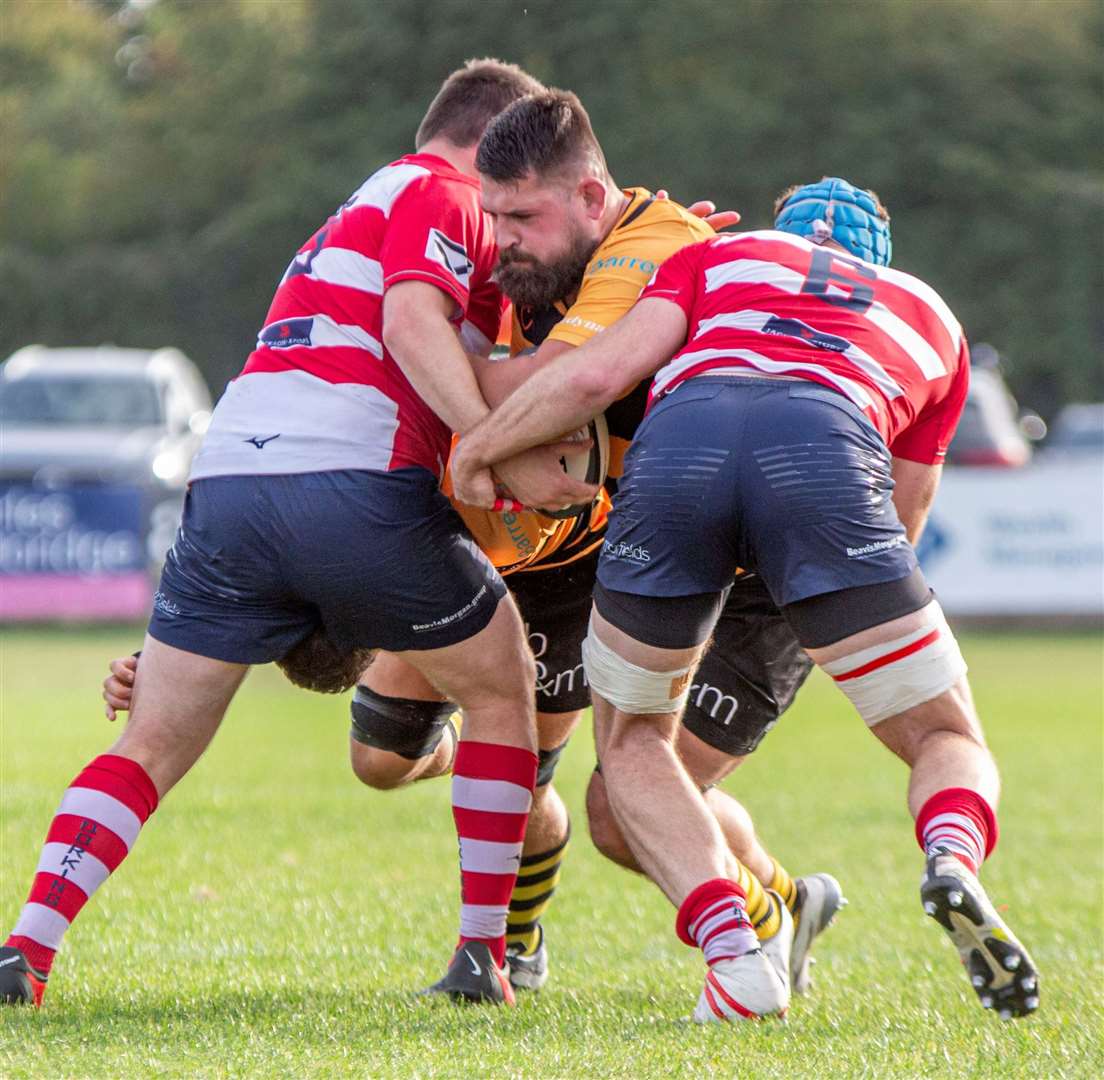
{"x":941,"y":739}
{"x":490,"y":676}
{"x":887,"y":670}
{"x":666,"y":824}
{"x":706,"y":766}
{"x":179,"y":700}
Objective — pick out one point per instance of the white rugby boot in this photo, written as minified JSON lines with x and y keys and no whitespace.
{"x":999,"y":968}
{"x":820,"y":898}
{"x":747,"y":988}
{"x":778,"y":948}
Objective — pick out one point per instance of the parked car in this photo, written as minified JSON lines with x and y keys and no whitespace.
{"x":106,"y":414}
{"x":95,"y":449}
{"x":993,"y":431}
{"x":1078,"y":429}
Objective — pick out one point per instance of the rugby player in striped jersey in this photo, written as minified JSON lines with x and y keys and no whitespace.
{"x":804,"y":398}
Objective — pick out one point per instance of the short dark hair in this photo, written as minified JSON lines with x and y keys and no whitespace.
{"x":470,"y":98}
{"x":543,"y":133}
{"x":317,"y":664}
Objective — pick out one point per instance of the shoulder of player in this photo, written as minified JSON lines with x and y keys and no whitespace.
{"x":650,"y":231}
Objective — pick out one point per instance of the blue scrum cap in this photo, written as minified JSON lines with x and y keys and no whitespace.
{"x":832,"y":209}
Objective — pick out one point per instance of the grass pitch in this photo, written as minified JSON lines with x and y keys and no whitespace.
{"x":275,"y":916}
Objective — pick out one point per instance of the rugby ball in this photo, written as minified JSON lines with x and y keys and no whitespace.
{"x":590,"y":467}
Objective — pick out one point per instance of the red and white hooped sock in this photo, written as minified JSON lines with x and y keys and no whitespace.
{"x":961,"y":822}
{"x":95,"y":827}
{"x":492,"y":790}
{"x":714,"y":918}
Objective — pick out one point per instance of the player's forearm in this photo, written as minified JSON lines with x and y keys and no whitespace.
{"x":424,"y":344}
{"x":560,"y":398}
{"x":575,"y":387}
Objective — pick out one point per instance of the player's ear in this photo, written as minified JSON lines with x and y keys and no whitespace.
{"x":594,"y":194}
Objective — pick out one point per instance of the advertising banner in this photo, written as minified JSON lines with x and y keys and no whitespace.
{"x":75,"y":552}
{"x":1019,"y":541}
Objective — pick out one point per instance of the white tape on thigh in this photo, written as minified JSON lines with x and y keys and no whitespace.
{"x":630,"y":688}
{"x":889,"y":678}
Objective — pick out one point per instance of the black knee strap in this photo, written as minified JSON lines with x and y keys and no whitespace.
{"x":547,"y":760}
{"x":412,"y":729}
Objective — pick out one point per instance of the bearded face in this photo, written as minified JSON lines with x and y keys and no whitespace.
{"x":532,"y":282}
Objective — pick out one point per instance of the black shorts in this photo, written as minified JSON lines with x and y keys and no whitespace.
{"x":555,"y":605}
{"x":750,"y":674}
{"x":375,"y":559}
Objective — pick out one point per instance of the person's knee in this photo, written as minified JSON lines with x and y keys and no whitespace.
{"x":394,"y":727}
{"x":604,"y":831}
{"x":379,"y":769}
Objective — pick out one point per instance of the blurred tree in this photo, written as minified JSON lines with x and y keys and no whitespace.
{"x":160,"y":162}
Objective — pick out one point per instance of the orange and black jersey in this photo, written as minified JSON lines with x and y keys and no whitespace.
{"x":648,"y":232}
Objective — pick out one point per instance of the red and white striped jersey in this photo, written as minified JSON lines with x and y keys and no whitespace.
{"x":320,"y":391}
{"x":773,"y":302}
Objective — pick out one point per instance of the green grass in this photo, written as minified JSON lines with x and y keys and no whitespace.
{"x":275,"y":915}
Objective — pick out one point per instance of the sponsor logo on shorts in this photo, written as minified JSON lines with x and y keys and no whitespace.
{"x":712,"y":700}
{"x":553,"y":683}
{"x":445,"y":620}
{"x":875,"y":548}
{"x":165,"y":606}
{"x":626,"y":551}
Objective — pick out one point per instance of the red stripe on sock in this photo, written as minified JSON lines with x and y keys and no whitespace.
{"x":63,"y":895}
{"x":38,"y":956}
{"x":488,"y":825}
{"x":92,"y":837}
{"x":486,"y":888}
{"x":702,"y":897}
{"x":897,"y":654}
{"x":960,"y":801}
{"x":124,"y":780}
{"x":492,"y":761}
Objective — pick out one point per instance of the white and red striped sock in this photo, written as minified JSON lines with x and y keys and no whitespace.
{"x":960,"y":822}
{"x":95,"y":827}
{"x":714,"y":917}
{"x":492,"y":789}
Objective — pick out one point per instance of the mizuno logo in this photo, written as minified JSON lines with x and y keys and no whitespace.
{"x":259,"y":443}
{"x":476,"y":969}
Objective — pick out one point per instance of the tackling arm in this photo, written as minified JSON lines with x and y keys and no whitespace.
{"x":418,"y":334}
{"x":569,"y":391}
{"x":915,"y":485}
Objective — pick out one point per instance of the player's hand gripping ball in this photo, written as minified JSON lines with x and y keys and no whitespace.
{"x":590,"y":467}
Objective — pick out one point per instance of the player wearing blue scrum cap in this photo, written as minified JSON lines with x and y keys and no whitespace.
{"x":804,"y":398}
{"x":833,"y":209}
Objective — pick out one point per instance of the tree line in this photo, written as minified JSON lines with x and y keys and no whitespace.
{"x":161,"y":161}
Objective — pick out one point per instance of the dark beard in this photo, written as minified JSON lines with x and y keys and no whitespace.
{"x":528,"y":283}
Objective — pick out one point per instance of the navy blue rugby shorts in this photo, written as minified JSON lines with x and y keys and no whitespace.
{"x":785,"y":478}
{"x":374,"y":559}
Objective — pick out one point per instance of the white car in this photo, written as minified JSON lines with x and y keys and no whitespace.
{"x":107,"y":414}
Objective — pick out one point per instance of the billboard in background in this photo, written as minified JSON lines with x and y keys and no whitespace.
{"x":78,"y":552}
{"x":1019,"y":542}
